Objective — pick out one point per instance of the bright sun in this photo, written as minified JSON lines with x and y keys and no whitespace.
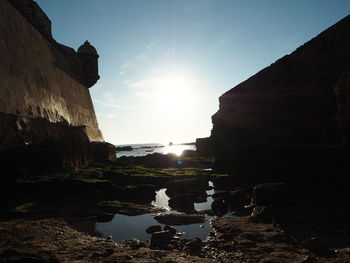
{"x":173,"y":93}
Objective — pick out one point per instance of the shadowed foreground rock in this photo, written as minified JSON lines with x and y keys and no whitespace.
{"x":53,"y":241}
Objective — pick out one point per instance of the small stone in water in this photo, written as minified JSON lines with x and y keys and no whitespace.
{"x":109,"y":238}
{"x":201,"y":226}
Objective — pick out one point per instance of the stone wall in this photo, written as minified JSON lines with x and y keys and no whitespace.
{"x":301,"y":100}
{"x":42,"y":98}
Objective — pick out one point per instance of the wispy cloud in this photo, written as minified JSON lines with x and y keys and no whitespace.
{"x":109,"y":101}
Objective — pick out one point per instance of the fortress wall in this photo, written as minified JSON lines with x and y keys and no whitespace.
{"x":47,"y":119}
{"x":37,"y":79}
{"x":280,"y":117}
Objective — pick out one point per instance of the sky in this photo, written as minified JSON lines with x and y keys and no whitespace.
{"x":164,"y":63}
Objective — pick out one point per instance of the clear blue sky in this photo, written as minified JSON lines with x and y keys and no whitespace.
{"x":164,"y":63}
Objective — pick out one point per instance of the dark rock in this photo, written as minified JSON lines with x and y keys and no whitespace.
{"x":123,"y":148}
{"x":271,"y":194}
{"x":219,"y":207}
{"x":160,"y":239}
{"x":262,"y":214}
{"x":126,"y":208}
{"x":208,"y":212}
{"x":189,"y":153}
{"x":183,"y":203}
{"x":204,"y":147}
{"x":152,"y":229}
{"x":194,"y":245}
{"x":179,"y":219}
{"x":143,"y":193}
{"x":170,"y":229}
{"x":234,"y":198}
{"x":185,"y":185}
{"x":104,"y":217}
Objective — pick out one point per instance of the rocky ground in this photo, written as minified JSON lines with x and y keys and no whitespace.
{"x":271,"y":224}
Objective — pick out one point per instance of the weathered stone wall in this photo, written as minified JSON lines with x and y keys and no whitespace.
{"x":300,"y":100}
{"x":45,"y":110}
{"x":34,"y":82}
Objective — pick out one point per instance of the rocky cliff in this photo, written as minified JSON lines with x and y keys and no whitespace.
{"x":293,"y":107}
{"x":47,"y":118}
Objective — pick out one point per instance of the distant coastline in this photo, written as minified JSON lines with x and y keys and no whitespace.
{"x":150,"y":148}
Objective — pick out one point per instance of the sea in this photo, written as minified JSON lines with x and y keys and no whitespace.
{"x":150,"y":148}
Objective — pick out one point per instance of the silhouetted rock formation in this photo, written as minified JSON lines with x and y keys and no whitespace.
{"x":47,"y":118}
{"x":280,"y":117}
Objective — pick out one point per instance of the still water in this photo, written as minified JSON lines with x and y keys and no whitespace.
{"x":123,"y":227}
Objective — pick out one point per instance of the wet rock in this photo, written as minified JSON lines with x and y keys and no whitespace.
{"x":160,"y":239}
{"x":182,"y":203}
{"x":170,"y":229}
{"x":185,"y":185}
{"x":271,"y":194}
{"x":144,"y":193}
{"x":104,"y":217}
{"x":134,"y":243}
{"x":126,"y":208}
{"x":219,"y":207}
{"x":234,"y":198}
{"x":208,"y":212}
{"x":152,"y":229}
{"x":194,"y":245}
{"x":179,"y":219}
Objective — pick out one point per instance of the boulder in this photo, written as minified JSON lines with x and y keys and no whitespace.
{"x":152,"y":229}
{"x":185,"y":185}
{"x":219,"y":207}
{"x":161,"y":239}
{"x":182,"y":203}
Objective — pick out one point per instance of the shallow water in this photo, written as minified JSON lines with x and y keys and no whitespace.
{"x":123,"y":227}
{"x":145,"y":149}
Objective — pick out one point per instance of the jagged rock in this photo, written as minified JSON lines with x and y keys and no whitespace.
{"x":152,"y":229}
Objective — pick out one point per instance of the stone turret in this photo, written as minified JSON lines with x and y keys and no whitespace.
{"x":89,"y":57}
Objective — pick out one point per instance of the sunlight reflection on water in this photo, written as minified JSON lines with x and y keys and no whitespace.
{"x":145,"y":149}
{"x":176,"y":149}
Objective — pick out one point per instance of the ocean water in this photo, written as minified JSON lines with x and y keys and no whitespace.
{"x":150,"y":148}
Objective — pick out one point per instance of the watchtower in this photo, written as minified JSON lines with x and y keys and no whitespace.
{"x":89,"y":58}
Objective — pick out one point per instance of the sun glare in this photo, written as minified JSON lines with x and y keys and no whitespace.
{"x":173,"y":93}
